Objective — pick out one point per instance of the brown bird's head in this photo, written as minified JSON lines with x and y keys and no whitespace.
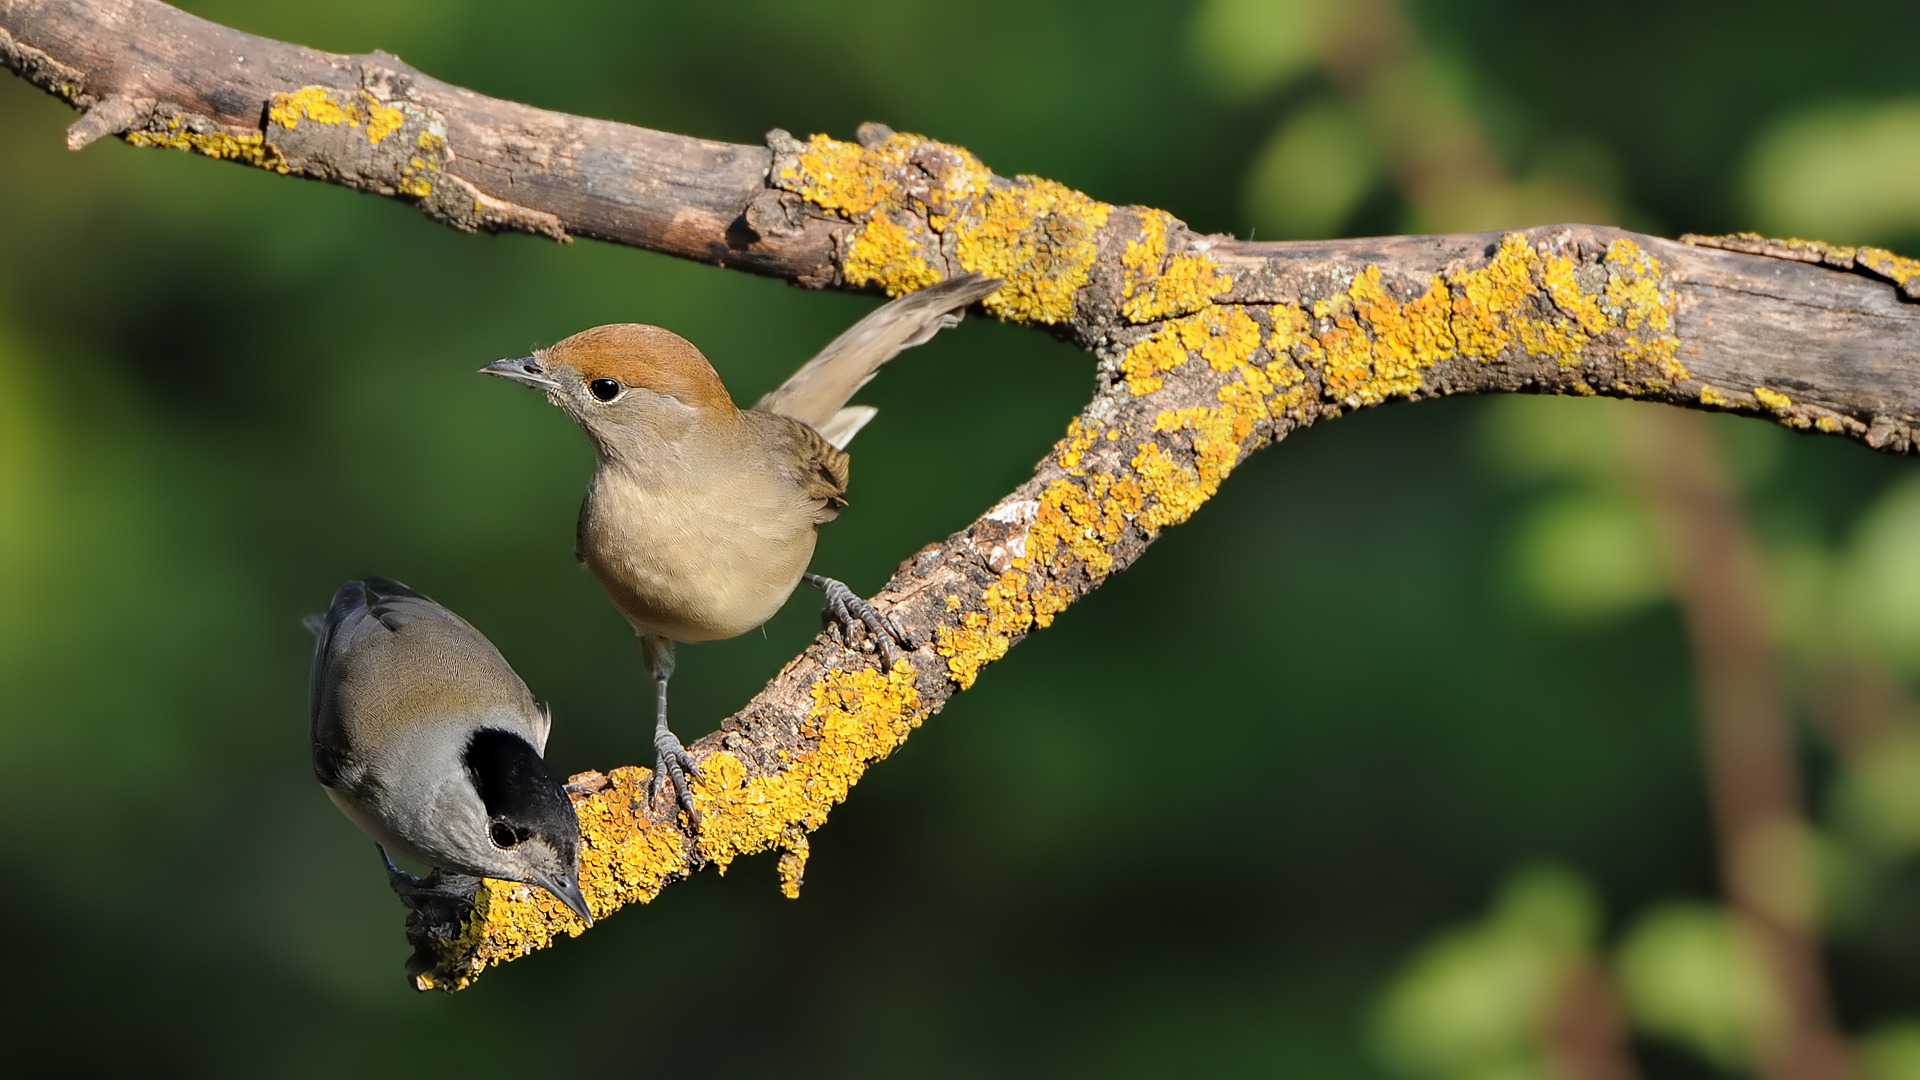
{"x":624,"y":377}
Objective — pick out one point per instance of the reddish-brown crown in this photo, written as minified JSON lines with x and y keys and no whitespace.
{"x":644,"y":356}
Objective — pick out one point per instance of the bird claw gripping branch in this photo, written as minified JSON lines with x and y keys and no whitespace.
{"x":673,"y":760}
{"x":846,"y":609}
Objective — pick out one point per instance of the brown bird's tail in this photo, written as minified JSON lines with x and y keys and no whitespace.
{"x":815,"y":395}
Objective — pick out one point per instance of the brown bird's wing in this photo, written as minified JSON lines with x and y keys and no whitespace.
{"x":815,"y":393}
{"x":814,"y":466}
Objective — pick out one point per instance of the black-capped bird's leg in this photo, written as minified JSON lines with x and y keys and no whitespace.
{"x":670,"y":757}
{"x":846,"y":608}
{"x":423,"y":894}
{"x":437,"y":907}
{"x":397,"y":879}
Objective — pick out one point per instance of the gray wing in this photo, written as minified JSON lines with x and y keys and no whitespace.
{"x":387,"y":657}
{"x":815,"y":393}
{"x":333,"y":632}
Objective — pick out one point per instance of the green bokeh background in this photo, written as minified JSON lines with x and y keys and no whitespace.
{"x":1195,"y":827}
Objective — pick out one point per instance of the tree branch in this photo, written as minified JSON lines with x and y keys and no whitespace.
{"x":1208,"y":349}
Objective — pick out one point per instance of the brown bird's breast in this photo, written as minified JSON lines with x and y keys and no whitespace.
{"x":696,"y":555}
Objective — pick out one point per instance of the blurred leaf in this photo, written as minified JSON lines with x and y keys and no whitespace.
{"x":1879,"y":793}
{"x":1880,"y":585}
{"x":1890,"y":1053}
{"x":1844,"y":172}
{"x":1311,"y":175}
{"x":1244,"y":48}
{"x":1588,"y":554}
{"x":1473,"y":1002}
{"x":1553,"y":438}
{"x":1690,"y":974}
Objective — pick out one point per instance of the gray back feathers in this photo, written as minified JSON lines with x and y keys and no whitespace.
{"x":388,"y":659}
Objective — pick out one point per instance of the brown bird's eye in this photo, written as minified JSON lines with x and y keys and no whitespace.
{"x":502,"y":835}
{"x":604,"y":389}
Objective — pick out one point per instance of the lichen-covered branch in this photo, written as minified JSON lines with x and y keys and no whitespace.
{"x":1208,"y":349}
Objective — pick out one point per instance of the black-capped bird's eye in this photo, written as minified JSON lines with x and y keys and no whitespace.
{"x":502,"y":835}
{"x":604,"y":389}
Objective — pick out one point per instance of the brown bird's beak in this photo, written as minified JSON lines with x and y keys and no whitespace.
{"x":523,"y":369}
{"x":571,"y":895}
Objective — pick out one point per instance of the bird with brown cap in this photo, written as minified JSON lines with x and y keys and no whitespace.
{"x":700,"y":518}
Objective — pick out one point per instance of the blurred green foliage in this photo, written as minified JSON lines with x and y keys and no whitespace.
{"x":1200,"y":824}
{"x":1690,"y":973}
{"x":1470,"y":1004}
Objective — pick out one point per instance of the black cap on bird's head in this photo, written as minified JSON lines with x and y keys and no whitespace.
{"x":531,"y":826}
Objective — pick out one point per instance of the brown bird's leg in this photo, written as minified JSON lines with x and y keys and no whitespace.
{"x":670,"y":756}
{"x":846,"y":608}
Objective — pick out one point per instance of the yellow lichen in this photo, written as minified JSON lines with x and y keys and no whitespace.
{"x":315,"y":103}
{"x":1827,"y":424}
{"x":1038,"y":236}
{"x":322,"y":105}
{"x":855,"y":180}
{"x":1223,"y":336}
{"x":1712,"y":396}
{"x":1068,"y":450}
{"x":1781,"y":406}
{"x":1818,"y":251}
{"x":251,"y":149}
{"x":1484,"y":299}
{"x":1639,"y":301}
{"x":1377,"y":347}
{"x":1291,"y":327}
{"x":1141,"y":258}
{"x":1176,"y":488}
{"x":1189,"y":283}
{"x":1157,"y":352}
{"x":857,"y":718}
{"x":1083,"y":522}
{"x":382,"y":120}
{"x":1557,"y":277}
{"x":887,"y":253}
{"x":793,"y":866}
{"x":1895,"y":268}
{"x":985,"y":636}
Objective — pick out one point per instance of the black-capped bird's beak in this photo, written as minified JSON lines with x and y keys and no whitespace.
{"x":570,"y":894}
{"x":525,"y":369}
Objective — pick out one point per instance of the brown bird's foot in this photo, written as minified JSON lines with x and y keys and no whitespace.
{"x":672,"y":759}
{"x":846,"y":609}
